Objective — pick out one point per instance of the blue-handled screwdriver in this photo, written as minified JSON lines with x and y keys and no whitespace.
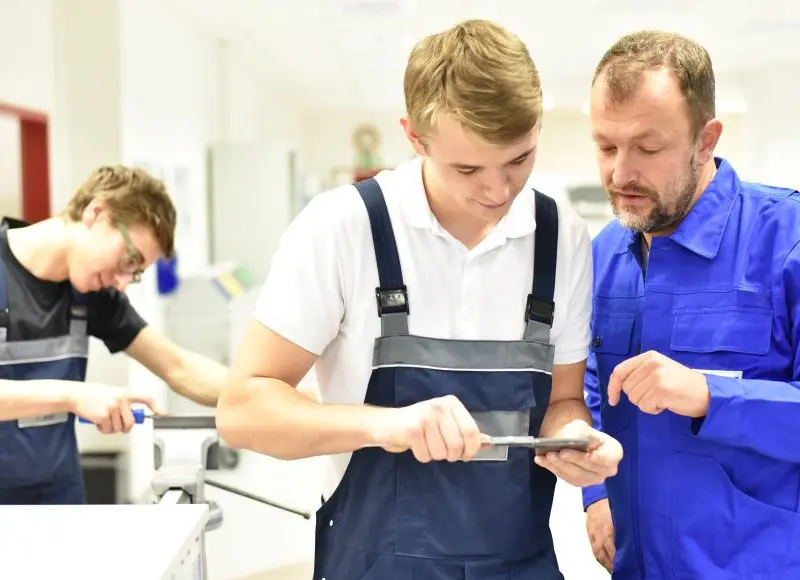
{"x":139,"y":415}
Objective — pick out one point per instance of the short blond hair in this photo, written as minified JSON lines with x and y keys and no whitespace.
{"x":132,"y":197}
{"x":623,"y":65}
{"x":478,"y":72}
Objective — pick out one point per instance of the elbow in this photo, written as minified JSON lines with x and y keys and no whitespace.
{"x":230,"y":422}
{"x":240,"y":428}
{"x":244,"y":421}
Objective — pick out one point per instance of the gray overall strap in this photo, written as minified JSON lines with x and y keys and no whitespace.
{"x":78,"y":324}
{"x":540,"y":308}
{"x":391,"y":293}
{"x":4,"y":318}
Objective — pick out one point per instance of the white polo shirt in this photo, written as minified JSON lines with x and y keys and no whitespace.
{"x":320,"y":291}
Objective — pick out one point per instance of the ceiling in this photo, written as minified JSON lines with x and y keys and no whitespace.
{"x":333,"y":55}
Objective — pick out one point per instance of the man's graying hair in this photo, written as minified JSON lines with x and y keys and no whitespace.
{"x":624,"y":63}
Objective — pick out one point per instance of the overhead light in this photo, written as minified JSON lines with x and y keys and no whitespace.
{"x":547,"y":102}
{"x":585,"y":108}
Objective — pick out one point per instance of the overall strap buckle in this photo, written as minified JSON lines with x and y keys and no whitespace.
{"x":393,"y":310}
{"x":392,"y":301}
{"x":539,"y":310}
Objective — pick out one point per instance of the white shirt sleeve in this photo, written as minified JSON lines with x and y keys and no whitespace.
{"x":302,"y":298}
{"x":572,"y":342}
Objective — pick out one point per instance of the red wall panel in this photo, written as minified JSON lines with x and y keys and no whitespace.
{"x":35,"y":157}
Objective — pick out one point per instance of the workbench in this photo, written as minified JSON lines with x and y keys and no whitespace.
{"x":161,"y":538}
{"x":99,"y":542}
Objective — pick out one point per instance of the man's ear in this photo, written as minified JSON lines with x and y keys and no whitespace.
{"x":709,"y":137}
{"x":413,"y":137}
{"x":93,"y":211}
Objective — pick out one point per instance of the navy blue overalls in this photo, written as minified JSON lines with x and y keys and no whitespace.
{"x":394,"y":518}
{"x":39,"y":459}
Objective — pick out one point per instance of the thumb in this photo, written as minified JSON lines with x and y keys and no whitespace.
{"x":146,"y":400}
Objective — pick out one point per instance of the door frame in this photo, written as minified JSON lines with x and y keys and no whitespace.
{"x":35,"y":155}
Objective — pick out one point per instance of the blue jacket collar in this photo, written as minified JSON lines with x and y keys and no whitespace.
{"x":702,"y":229}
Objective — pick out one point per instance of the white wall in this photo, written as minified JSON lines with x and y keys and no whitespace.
{"x":770,"y":141}
{"x":26,"y":53}
{"x":168,"y":83}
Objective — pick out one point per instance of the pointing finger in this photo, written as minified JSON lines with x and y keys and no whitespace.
{"x":621,"y":372}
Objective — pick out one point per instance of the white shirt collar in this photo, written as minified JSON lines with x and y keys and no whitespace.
{"x":518,"y":222}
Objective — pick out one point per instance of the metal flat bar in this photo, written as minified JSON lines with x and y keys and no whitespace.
{"x":184,"y":422}
{"x":511,"y":441}
{"x":249,"y":495}
{"x":537,"y":443}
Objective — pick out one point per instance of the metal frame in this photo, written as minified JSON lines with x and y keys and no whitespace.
{"x":182,"y":480}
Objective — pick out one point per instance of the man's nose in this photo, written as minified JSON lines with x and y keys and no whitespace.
{"x":623,"y":173}
{"x":121,"y":281}
{"x":498,"y":191}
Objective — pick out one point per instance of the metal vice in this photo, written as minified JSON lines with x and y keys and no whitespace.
{"x":185,"y":449}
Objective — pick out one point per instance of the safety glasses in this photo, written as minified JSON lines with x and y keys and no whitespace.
{"x":131,"y":263}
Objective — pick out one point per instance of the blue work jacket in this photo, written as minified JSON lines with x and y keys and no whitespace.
{"x":715,"y":498}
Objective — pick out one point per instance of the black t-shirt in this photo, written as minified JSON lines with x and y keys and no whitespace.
{"x":41,"y":309}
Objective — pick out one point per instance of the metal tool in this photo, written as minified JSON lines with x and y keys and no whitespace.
{"x":538,"y":443}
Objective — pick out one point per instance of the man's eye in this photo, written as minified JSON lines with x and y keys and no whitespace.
{"x":131,"y":263}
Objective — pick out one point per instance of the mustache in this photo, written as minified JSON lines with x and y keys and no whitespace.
{"x":633,"y":191}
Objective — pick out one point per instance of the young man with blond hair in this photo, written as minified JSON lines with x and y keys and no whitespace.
{"x":440,"y":301}
{"x":61,"y":281}
{"x":695,"y":359}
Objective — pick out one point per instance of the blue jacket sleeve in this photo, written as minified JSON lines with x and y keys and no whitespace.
{"x":591,"y":391}
{"x":759,"y":414}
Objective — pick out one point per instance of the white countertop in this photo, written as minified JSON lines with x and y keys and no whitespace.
{"x":97,"y":542}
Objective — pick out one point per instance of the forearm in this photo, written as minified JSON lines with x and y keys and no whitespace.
{"x":269,"y":416}
{"x":760,"y":415}
{"x":559,"y":413}
{"x":198,"y":378}
{"x":21,"y":399}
